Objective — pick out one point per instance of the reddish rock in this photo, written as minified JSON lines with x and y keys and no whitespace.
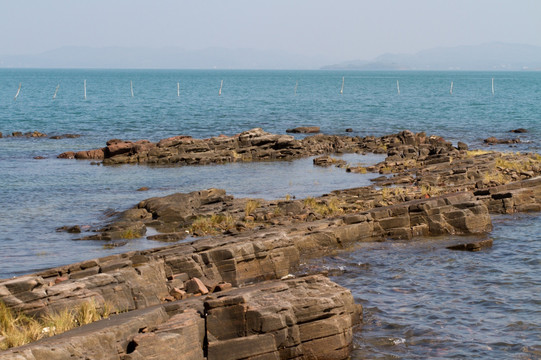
{"x":60,"y":279}
{"x":223,"y":286}
{"x":196,"y":286}
{"x":67,"y":155}
{"x":118,"y":147}
{"x":177,"y":293}
{"x":96,"y":154}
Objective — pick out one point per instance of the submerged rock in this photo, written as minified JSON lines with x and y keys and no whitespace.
{"x":473,"y":246}
{"x":493,"y":141}
{"x":304,"y":130}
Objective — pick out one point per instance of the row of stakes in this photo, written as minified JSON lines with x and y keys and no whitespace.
{"x":221,"y":86}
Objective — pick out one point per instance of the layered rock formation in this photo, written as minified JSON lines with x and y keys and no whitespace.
{"x":252,"y":145}
{"x":309,"y":317}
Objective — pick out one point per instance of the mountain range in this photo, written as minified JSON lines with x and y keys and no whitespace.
{"x":492,"y":56}
{"x":161,"y":58}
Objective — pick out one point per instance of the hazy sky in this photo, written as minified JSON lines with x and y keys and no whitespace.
{"x":344,"y":29}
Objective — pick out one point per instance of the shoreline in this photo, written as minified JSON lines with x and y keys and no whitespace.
{"x":411,"y":203}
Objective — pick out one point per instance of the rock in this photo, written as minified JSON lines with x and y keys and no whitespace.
{"x":97,"y":154}
{"x":144,"y":188}
{"x":222,"y":286}
{"x":76,"y":229}
{"x":67,"y":155}
{"x":493,"y":141}
{"x":462,"y":146}
{"x":310,"y":318}
{"x":304,"y":130}
{"x":168,"y":237}
{"x":328,"y":161}
{"x":473,"y":246}
{"x":349,"y":130}
{"x":1,"y":135}
{"x":38,"y":157}
{"x":519,"y":131}
{"x":35,"y":134}
{"x":17,"y":134}
{"x":178,"y":294}
{"x":196,"y":286}
{"x":65,"y":136}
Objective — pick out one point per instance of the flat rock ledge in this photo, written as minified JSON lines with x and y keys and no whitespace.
{"x":251,"y":145}
{"x":309,"y":318}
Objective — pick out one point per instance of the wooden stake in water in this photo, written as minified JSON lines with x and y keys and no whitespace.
{"x":296,"y":85}
{"x":178,"y":89}
{"x":56,"y":91}
{"x":221,"y":85}
{"x":492,"y":86}
{"x":342,"y":89}
{"x":398,"y":87}
{"x":84,"y":86}
{"x":451,"y":89}
{"x":131,"y":88}
{"x":18,"y":91}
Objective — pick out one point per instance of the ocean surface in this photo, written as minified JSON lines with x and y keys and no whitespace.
{"x":421,"y":300}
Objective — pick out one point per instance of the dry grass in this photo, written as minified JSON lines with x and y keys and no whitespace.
{"x":473,"y":153}
{"x":130,"y":234}
{"x":324,"y":208}
{"x":430,"y":191}
{"x":251,"y":206}
{"x":494,"y":177}
{"x":19,"y":329}
{"x":212,"y":224}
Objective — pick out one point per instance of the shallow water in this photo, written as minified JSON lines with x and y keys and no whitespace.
{"x":422,"y":300}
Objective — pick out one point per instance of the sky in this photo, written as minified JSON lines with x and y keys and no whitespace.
{"x":338,"y":29}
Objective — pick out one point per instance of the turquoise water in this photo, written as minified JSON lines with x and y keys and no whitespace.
{"x":486,"y":317}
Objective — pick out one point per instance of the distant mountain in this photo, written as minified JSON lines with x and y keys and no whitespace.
{"x":162,"y":58}
{"x":493,"y":56}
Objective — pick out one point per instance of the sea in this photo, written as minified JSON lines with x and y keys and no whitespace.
{"x":420,"y":299}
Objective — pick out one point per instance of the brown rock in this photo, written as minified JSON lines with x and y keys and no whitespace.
{"x":474,"y":246}
{"x":65,"y":136}
{"x":493,"y":141}
{"x":96,"y":154}
{"x":519,"y":131}
{"x":196,"y":286}
{"x":67,"y":155}
{"x":304,"y":130}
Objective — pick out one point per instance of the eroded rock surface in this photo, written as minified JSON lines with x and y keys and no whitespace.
{"x":309,"y":317}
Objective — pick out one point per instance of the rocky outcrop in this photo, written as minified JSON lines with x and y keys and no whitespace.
{"x":493,"y":141}
{"x":304,"y":130}
{"x":309,"y":317}
{"x":30,"y":134}
{"x":65,"y":136}
{"x":144,"y":278}
{"x":251,"y":145}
